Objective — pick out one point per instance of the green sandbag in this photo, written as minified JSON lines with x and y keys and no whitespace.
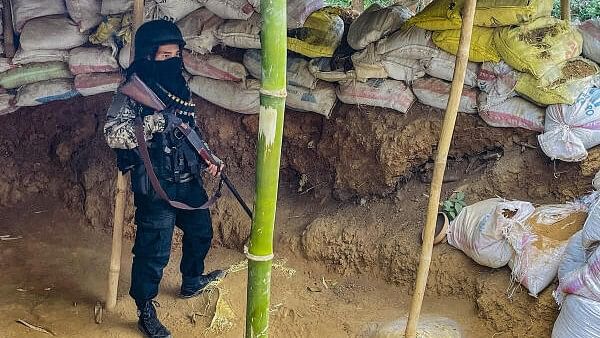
{"x":34,"y":72}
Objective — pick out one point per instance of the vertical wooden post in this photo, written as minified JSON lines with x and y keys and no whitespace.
{"x":358,"y":5}
{"x":9,"y":43}
{"x":460,"y":67}
{"x":565,"y":10}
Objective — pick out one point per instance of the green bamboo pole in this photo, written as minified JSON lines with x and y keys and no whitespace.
{"x":270,"y":131}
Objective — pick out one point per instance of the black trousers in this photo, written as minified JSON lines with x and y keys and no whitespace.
{"x":156,"y":220}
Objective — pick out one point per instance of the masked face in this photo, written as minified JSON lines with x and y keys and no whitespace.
{"x":169,"y":69}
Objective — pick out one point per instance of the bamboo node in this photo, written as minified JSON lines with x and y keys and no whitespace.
{"x":257,"y":258}
{"x":282,"y":93}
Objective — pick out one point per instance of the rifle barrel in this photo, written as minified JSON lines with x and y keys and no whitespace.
{"x":236,"y":194}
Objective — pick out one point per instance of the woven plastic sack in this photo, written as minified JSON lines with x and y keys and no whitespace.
{"x":402,"y":69}
{"x":435,"y":93}
{"x":297,"y":69}
{"x":321,"y":69}
{"x":384,"y":93}
{"x":439,"y":15}
{"x":113,"y":29}
{"x":512,"y":112}
{"x":571,"y":129}
{"x":319,"y":37}
{"x":214,"y":67}
{"x":7,"y":104}
{"x":110,"y":7}
{"x":96,"y":83}
{"x":320,"y":99}
{"x":376,"y":22}
{"x":199,"y":29}
{"x":579,"y":317}
{"x":230,"y":9}
{"x":42,"y":92}
{"x":241,"y":97}
{"x":85,"y":13}
{"x":6,"y":64}
{"x":540,"y":242}
{"x":34,"y":72}
{"x":590,"y":31}
{"x":25,"y":10}
{"x":498,"y":80}
{"x":92,"y":60}
{"x":171,"y":10}
{"x":442,"y":67}
{"x":299,"y":10}
{"x":23,"y":57}
{"x":368,"y":64}
{"x":482,"y":43}
{"x":411,"y":43}
{"x":243,"y":34}
{"x":538,"y":46}
{"x":496,"y":13}
{"x":52,"y":32}
{"x":591,"y":230}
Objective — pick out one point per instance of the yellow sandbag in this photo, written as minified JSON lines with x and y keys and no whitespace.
{"x":319,"y":37}
{"x":539,"y":45}
{"x":574,"y":77}
{"x":118,"y":25}
{"x":482,"y":43}
{"x":496,"y":13}
{"x":439,"y":15}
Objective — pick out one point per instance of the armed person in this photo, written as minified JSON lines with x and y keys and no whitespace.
{"x":165,"y":171}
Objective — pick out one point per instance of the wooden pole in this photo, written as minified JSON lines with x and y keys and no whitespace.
{"x":460,"y":67}
{"x":565,"y":10}
{"x":358,"y":5}
{"x":9,"y":43}
{"x":120,"y":198}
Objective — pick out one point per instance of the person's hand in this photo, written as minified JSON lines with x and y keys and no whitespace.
{"x":213,"y":169}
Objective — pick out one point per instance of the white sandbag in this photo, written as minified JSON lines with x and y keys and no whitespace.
{"x":42,"y":92}
{"x":297,"y":69}
{"x":124,"y":56}
{"x":368,"y":64}
{"x":411,"y":43}
{"x":579,"y":318}
{"x":25,"y":10}
{"x":571,"y":129}
{"x":85,"y":13}
{"x":321,"y":69}
{"x":110,"y":7}
{"x":384,"y":93}
{"x":376,"y":22}
{"x":513,"y":112}
{"x":591,"y":228}
{"x":596,"y":181}
{"x":590,"y":31}
{"x":576,"y":274}
{"x":7,"y":104}
{"x":199,"y":29}
{"x":244,"y":34}
{"x":435,"y":93}
{"x":241,"y":97}
{"x":497,"y":79}
{"x":540,"y":241}
{"x":96,"y":83}
{"x":320,"y":99}
{"x":6,"y":64}
{"x":51,"y":32}
{"x":403,"y":69}
{"x":171,"y":10}
{"x":476,"y":230}
{"x":92,"y":60}
{"x":442,"y":67}
{"x":214,"y":67}
{"x":23,"y":57}
{"x":297,"y":10}
{"x":230,"y":9}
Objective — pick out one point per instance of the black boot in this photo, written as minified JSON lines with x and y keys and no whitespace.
{"x":149,"y":323}
{"x":195,"y":286}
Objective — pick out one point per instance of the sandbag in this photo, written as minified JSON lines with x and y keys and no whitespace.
{"x":578,"y":275}
{"x":579,"y":317}
{"x":241,"y":97}
{"x":297,"y":69}
{"x":590,"y":32}
{"x":6,"y":64}
{"x":110,"y":7}
{"x":442,"y":67}
{"x":376,"y":22}
{"x":230,"y":9}
{"x":319,"y":37}
{"x":199,"y":29}
{"x":85,"y":13}
{"x":411,"y":43}
{"x":573,"y":77}
{"x":124,"y":58}
{"x":51,"y":32}
{"x":439,"y":15}
{"x":512,"y":112}
{"x":243,"y":34}
{"x":320,"y":99}
{"x":482,"y":43}
{"x":214,"y":67}
{"x":496,"y":13}
{"x":41,"y":55}
{"x":570,"y":130}
{"x":435,"y":93}
{"x":540,"y":242}
{"x":498,"y":80}
{"x":478,"y":230}
{"x":92,"y":60}
{"x":368,"y":64}
{"x":299,"y":10}
{"x":384,"y":93}
{"x":34,"y":72}
{"x":171,"y":10}
{"x":538,"y":46}
{"x":402,"y":69}
{"x":96,"y":83}
{"x":113,"y":30}
{"x":42,"y":92}
{"x":25,"y":10}
{"x":590,"y":236}
{"x":321,"y":69}
{"x":7,"y":104}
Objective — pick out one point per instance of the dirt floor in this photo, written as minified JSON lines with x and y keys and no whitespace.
{"x":352,"y":202}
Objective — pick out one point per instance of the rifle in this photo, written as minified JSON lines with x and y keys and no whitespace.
{"x":136,"y":89}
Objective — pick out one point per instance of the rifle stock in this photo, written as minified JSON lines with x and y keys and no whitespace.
{"x":136,"y":89}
